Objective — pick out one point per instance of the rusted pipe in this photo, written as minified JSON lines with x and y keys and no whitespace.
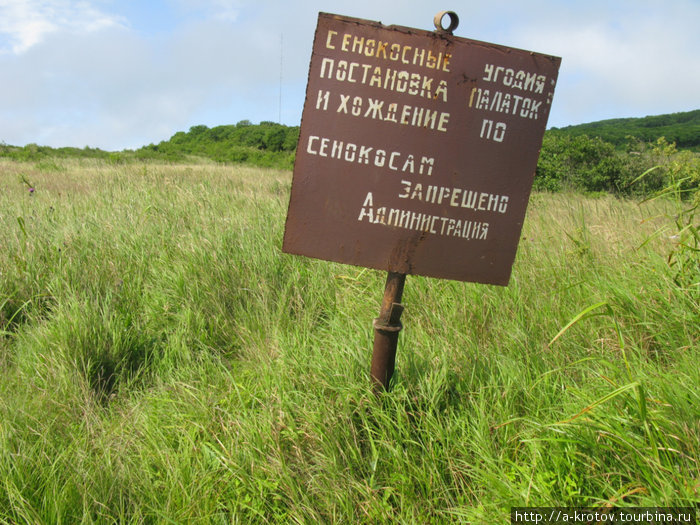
{"x":386,"y":332}
{"x":440,"y":18}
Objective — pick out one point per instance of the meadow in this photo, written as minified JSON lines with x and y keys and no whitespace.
{"x":163,"y":361}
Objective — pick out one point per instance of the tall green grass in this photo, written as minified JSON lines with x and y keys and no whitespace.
{"x":163,"y":362}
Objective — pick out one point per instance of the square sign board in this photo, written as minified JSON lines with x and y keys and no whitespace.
{"x":417,"y":150}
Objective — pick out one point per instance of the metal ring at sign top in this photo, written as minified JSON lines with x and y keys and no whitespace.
{"x":454,"y":21}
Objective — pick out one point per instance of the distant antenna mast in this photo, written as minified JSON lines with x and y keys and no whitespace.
{"x":279,"y":116}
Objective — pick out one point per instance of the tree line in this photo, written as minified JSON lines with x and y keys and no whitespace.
{"x":592,"y":157}
{"x":267,"y":144}
{"x":592,"y":165}
{"x":683,"y":129}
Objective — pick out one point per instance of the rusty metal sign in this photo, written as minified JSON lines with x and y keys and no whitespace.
{"x":417,"y":150}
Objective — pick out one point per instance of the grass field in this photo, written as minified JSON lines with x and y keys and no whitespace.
{"x":163,"y":362}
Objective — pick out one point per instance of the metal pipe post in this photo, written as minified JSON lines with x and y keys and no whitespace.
{"x":386,"y":332}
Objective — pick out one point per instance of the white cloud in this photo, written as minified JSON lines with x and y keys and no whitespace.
{"x":621,"y":60}
{"x":224,"y":10}
{"x":28,"y":22}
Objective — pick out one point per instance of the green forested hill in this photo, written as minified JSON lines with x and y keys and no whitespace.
{"x":273,"y":145}
{"x":681,"y":128}
{"x":266,"y":144}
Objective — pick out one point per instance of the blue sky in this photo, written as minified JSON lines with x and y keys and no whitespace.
{"x":122,"y":74}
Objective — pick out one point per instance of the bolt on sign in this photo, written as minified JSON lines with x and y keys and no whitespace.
{"x":417,"y":150}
